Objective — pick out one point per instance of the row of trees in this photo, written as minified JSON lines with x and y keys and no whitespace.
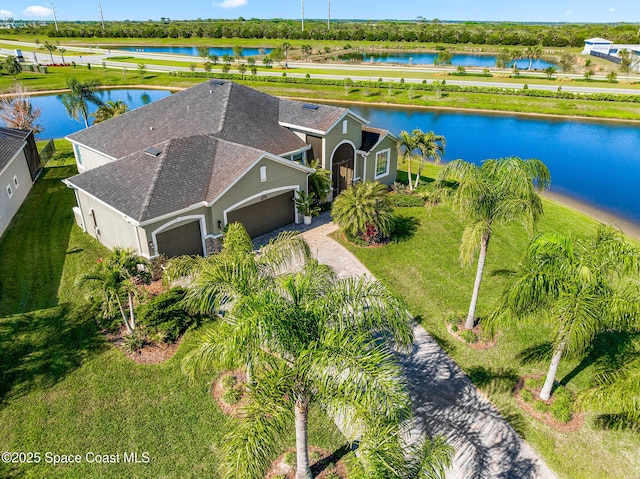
{"x":561,"y":35}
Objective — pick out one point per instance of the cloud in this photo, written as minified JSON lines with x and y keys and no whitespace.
{"x":612,"y":9}
{"x":6,"y":13}
{"x":230,"y":3}
{"x":568,"y":13}
{"x":37,"y":11}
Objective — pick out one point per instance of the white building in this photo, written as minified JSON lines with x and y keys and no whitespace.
{"x":601,"y":47}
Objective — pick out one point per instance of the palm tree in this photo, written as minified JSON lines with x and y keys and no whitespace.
{"x":77,"y":99}
{"x":109,"y":110}
{"x":616,"y":391}
{"x":532,"y":53}
{"x":62,"y":51}
{"x":50,"y":47}
{"x":408,"y":146}
{"x":578,"y":286}
{"x":431,"y":147}
{"x":319,"y":181}
{"x":364,"y":211}
{"x":116,"y":278}
{"x":311,"y":339}
{"x":498,"y":192}
{"x":220,"y":280}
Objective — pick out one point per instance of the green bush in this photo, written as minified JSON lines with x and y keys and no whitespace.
{"x":164,"y":314}
{"x":541,"y":406}
{"x":469,"y":336}
{"x":561,"y":409}
{"x":526,"y":395}
{"x":232,"y":396}
{"x":405,"y":200}
{"x":134,"y":342}
{"x":229,"y":381}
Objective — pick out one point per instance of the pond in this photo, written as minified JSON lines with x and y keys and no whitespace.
{"x":57,"y":124}
{"x":593,"y":161}
{"x":596,"y":162}
{"x":423,"y":58}
{"x":193,"y":51}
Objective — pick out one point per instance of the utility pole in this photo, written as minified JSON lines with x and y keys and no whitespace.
{"x":303,"y":15}
{"x":101,"y":16}
{"x":55,"y":19}
{"x":329,"y":16}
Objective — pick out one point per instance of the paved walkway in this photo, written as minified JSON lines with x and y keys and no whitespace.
{"x":445,"y":402}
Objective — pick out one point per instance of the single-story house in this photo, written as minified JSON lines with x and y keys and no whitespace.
{"x":167,"y":177}
{"x":603,"y":48}
{"x":19,"y":167}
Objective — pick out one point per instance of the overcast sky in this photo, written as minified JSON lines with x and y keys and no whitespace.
{"x":510,"y":10}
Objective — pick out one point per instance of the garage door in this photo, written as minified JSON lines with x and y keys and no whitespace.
{"x":265,"y":216}
{"x":185,"y":239}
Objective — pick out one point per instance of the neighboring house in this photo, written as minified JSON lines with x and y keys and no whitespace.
{"x":19,"y":166}
{"x":167,"y":177}
{"x":603,"y":48}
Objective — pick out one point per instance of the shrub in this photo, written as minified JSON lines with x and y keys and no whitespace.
{"x":526,"y":395}
{"x":229,"y":381}
{"x":405,"y":200}
{"x":561,"y":409}
{"x":164,"y":314}
{"x":469,"y":336}
{"x":364,"y":210}
{"x":135,"y":341}
{"x":232,"y":396}
{"x":541,"y":406}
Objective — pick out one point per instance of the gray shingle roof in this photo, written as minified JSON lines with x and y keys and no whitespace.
{"x":371,"y":136}
{"x":186,"y":172}
{"x":293,"y":113}
{"x":10,"y":143}
{"x":229,"y":111}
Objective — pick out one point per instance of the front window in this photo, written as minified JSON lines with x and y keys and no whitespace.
{"x":382,"y":163}
{"x":76,"y":150}
{"x":299,"y":157}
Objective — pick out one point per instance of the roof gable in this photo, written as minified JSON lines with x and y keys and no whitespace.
{"x":11,"y":142}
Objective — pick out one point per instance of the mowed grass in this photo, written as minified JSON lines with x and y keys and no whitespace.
{"x":424,"y":269}
{"x":66,"y":390}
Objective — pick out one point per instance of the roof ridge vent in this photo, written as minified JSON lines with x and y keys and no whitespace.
{"x":152,"y":152}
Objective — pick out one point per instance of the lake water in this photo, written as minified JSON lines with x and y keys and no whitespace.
{"x":57,"y":123}
{"x":193,"y":51}
{"x":595,"y":162}
{"x":422,"y":58}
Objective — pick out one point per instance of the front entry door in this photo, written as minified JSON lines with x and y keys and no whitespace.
{"x":342,"y":176}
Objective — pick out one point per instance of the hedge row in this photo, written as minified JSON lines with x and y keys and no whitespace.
{"x":424,"y":86}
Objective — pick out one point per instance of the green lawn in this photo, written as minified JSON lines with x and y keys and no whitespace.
{"x":65,"y":389}
{"x":424,"y":269}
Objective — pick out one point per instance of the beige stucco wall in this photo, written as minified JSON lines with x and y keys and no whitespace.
{"x":90,"y":158}
{"x":335,"y":137}
{"x":9,"y":206}
{"x":387,"y":143}
{"x":114,"y":230}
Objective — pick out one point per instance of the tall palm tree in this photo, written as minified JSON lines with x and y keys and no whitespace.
{"x":77,"y":100}
{"x":364,"y":210}
{"x":532,"y":53}
{"x":431,"y":147}
{"x":409,"y":146}
{"x":576,"y":285}
{"x":109,"y":110}
{"x":114,"y":279}
{"x":497,"y":192}
{"x":310,"y":339}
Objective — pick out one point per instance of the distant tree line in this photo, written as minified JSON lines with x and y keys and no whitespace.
{"x":548,"y":35}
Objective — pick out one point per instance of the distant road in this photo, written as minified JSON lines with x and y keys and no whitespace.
{"x":354,"y":71}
